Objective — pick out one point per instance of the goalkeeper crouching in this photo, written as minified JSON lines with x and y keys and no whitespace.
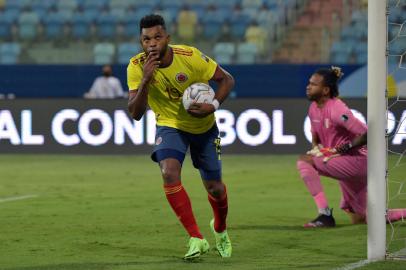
{"x":339,"y":152}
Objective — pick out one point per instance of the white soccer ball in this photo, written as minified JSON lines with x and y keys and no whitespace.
{"x":197,"y":93}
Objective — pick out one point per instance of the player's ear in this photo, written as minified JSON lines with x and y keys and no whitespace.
{"x":326,"y":90}
{"x":168,"y":38}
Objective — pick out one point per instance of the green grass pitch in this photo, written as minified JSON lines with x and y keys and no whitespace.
{"x":110,"y":212}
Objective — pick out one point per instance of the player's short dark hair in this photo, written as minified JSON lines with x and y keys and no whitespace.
{"x":331,"y":76}
{"x":152,"y":20}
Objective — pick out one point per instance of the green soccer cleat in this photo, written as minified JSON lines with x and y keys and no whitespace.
{"x":223,"y":243}
{"x":197,"y":247}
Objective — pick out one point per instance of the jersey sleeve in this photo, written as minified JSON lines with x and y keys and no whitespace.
{"x":134,"y":76}
{"x":204,"y":65}
{"x":342,"y":116}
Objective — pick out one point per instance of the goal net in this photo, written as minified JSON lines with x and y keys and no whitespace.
{"x":396,"y":126}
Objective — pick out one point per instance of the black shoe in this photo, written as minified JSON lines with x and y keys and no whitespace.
{"x":322,"y":221}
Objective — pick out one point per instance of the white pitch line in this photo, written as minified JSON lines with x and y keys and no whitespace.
{"x":17,"y":198}
{"x":353,"y":265}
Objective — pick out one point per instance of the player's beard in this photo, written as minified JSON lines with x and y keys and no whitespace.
{"x":314,"y":97}
{"x":162,"y":52}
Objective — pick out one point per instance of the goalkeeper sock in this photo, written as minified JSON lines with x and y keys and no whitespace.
{"x":180,"y":203}
{"x":321,"y":202}
{"x":220,"y":209}
{"x":312,"y":181}
{"x":325,"y":211}
{"x":396,"y":214}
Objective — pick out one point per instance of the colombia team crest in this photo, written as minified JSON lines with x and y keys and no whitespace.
{"x":181,"y":77}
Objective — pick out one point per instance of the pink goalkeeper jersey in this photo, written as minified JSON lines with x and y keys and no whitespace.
{"x":334,"y":124}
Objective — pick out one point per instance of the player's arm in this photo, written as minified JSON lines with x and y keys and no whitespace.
{"x":315,"y":140}
{"x":315,"y":151}
{"x":346,"y":119}
{"x":225,"y":82}
{"x":138,"y":98}
{"x":360,"y":140}
{"x":356,"y":142}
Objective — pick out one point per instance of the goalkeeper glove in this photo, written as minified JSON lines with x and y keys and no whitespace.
{"x":343,"y":148}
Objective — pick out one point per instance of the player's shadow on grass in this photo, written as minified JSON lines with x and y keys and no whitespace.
{"x":278,"y":227}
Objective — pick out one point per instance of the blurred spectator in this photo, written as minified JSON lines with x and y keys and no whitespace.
{"x":103,"y":53}
{"x":2,"y":3}
{"x":268,"y":19}
{"x":187,"y":22}
{"x":238,"y":10}
{"x":106,"y":86}
{"x":239,"y":22}
{"x":225,"y":33}
{"x":28,"y":23}
{"x":258,"y":36}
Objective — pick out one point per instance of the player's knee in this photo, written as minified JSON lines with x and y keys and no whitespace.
{"x":170,"y":175}
{"x":215,"y":189}
{"x":305,"y":168}
{"x":300,"y":164}
{"x":304,"y":160}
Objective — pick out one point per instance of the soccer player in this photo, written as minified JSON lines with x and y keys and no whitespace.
{"x":158,"y":77}
{"x":339,"y":151}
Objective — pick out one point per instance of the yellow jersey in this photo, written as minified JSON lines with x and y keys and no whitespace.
{"x":167,"y":85}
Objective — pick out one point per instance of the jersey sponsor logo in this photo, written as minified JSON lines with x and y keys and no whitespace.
{"x":181,"y":77}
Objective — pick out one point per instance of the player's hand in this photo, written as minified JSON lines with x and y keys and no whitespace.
{"x":329,"y":153}
{"x":343,"y":148}
{"x":201,"y":110}
{"x":151,"y":63}
{"x":315,"y":151}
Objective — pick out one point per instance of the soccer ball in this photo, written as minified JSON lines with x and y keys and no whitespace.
{"x":197,"y":93}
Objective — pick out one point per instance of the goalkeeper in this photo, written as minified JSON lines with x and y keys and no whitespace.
{"x":339,"y":151}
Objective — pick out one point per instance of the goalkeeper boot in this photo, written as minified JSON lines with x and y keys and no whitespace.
{"x":223,"y":243}
{"x":321,"y":221}
{"x":197,"y":247}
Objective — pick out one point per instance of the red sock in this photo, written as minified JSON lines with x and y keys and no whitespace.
{"x":220,"y":209}
{"x":180,"y":203}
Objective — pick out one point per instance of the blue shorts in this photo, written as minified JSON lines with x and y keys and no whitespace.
{"x":205,"y":149}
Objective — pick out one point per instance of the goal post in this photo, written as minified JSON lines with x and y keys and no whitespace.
{"x":377,"y":154}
